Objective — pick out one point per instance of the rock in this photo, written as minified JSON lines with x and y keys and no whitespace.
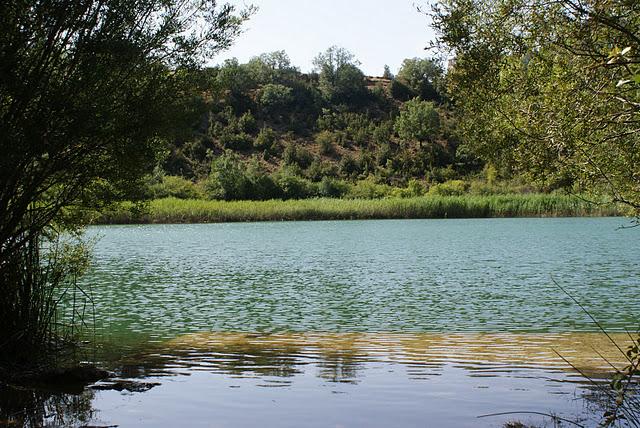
{"x":124,"y":385}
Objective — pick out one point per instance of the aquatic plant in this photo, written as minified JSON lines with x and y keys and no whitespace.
{"x":173,"y":210}
{"x":43,"y":305}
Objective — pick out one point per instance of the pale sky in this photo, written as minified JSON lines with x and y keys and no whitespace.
{"x":377,"y":32}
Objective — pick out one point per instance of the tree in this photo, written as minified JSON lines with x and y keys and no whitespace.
{"x":275,"y":98}
{"x":341,"y":81}
{"x":387,"y":74}
{"x":418,"y":121}
{"x":237,"y":78}
{"x":228,"y":178}
{"x":332,"y":59}
{"x":271,"y":67}
{"x":423,"y":76}
{"x":88,"y":91}
{"x":550,"y":89}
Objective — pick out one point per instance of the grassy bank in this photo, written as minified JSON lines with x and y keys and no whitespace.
{"x":201,"y":211}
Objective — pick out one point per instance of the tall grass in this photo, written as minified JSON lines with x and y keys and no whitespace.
{"x":173,"y":210}
{"x":38,"y":281}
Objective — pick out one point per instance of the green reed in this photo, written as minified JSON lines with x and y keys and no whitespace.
{"x":173,"y":210}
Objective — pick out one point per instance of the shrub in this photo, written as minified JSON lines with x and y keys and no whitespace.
{"x":233,"y":141}
{"x":354,"y":127}
{"x":265,"y":140}
{"x":175,"y":187}
{"x":292,"y":186}
{"x":366,"y":162}
{"x":303,"y":157}
{"x":400,"y":91}
{"x":440,"y":175}
{"x":382,"y":133}
{"x":325,"y":140}
{"x":297,"y":155}
{"x":261,"y":186}
{"x":415,"y":188}
{"x":348,"y":166}
{"x":383,"y":154}
{"x":275,"y":98}
{"x":227,"y":179}
{"x":369,"y":189}
{"x":247,"y":123}
{"x":316,"y":170}
{"x":449,"y":188}
{"x":332,"y":188}
{"x":491,"y":174}
{"x":418,"y":120}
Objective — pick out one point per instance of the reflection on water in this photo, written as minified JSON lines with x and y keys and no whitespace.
{"x":331,"y":379}
{"x":34,"y":408}
{"x":341,"y":355}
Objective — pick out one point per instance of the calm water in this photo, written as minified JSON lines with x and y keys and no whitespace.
{"x":357,"y":323}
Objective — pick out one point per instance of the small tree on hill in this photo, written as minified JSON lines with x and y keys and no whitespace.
{"x":418,"y":121}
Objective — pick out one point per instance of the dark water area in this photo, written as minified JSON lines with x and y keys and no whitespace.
{"x":350,"y":324}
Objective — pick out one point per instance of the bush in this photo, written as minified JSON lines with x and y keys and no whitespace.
{"x":369,"y":189}
{"x":355,"y":128}
{"x":401,"y":92}
{"x":383,"y":154}
{"x":231,"y":179}
{"x":440,"y":175}
{"x":233,"y":141}
{"x":414,"y":189}
{"x":303,"y":157}
{"x":419,"y":120}
{"x":175,"y":187}
{"x":275,"y":98}
{"x":265,"y":140}
{"x":491,"y":174}
{"x":247,"y":123}
{"x":292,"y":186}
{"x":366,"y":162}
{"x":449,"y":188}
{"x":325,"y":140}
{"x":349,"y":166}
{"x":332,"y":188}
{"x":261,"y":186}
{"x":297,"y":155}
{"x":227,"y":179}
{"x":382,"y":133}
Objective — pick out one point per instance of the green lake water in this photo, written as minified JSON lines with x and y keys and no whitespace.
{"x":353,"y":323}
{"x":368,"y":276}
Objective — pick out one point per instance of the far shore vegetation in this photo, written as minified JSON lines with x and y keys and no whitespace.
{"x":173,"y":210}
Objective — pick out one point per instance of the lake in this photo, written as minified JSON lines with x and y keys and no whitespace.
{"x":353,"y":323}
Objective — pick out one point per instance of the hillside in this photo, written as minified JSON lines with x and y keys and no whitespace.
{"x":265,"y":130}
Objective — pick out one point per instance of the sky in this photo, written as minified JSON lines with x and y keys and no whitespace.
{"x":377,"y":32}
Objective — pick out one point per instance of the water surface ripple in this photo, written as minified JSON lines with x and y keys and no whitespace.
{"x":476,"y":275}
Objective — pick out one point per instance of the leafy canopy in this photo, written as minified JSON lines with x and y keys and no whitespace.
{"x":418,"y":121}
{"x":550,"y":89}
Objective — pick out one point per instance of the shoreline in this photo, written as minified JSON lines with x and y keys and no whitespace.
{"x":193,"y":211}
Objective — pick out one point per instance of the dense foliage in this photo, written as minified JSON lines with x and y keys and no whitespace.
{"x":270,"y":131}
{"x":549,"y":89}
{"x":88,"y":90}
